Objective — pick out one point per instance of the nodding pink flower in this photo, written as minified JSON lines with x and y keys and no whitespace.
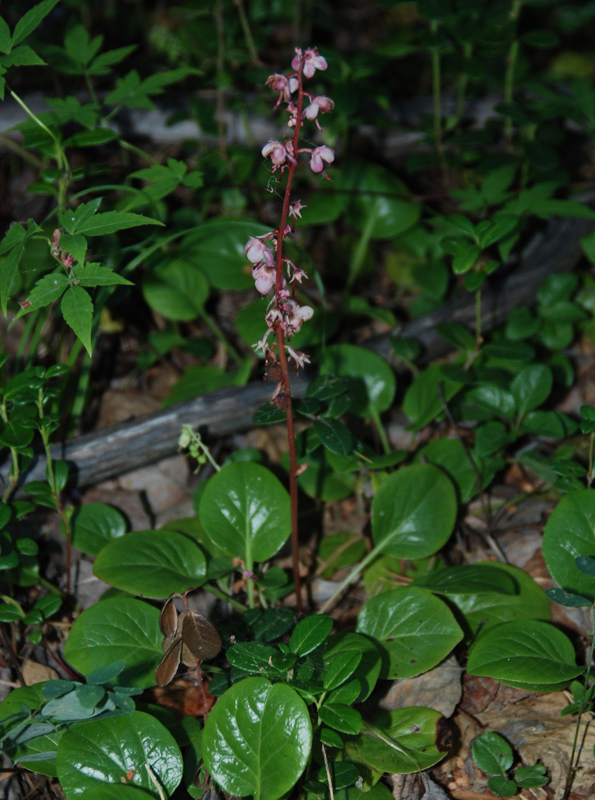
{"x":310,"y":61}
{"x":295,"y":208}
{"x":319,"y":156}
{"x":285,"y":86}
{"x":264,"y":278}
{"x":276,"y":151}
{"x":318,"y":105}
{"x":256,"y":251}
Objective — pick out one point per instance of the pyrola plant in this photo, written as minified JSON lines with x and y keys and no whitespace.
{"x":271,"y":270}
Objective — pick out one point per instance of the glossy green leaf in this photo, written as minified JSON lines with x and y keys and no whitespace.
{"x":118,"y":629}
{"x":557,"y":595}
{"x":528,"y":653}
{"x":469,"y":579}
{"x":252,"y":657}
{"x":372,"y":381}
{"x":94,"y":525}
{"x":570,"y":532}
{"x":152,"y":563}
{"x":414,"y":629}
{"x":310,"y":633}
{"x":367,"y":671}
{"x":402,"y":741}
{"x":339,"y":669}
{"x":95,"y":753}
{"x":491,"y":437}
{"x":492,"y":754}
{"x":341,"y":717}
{"x":47,"y":290}
{"x":257,"y":739}
{"x":422,"y":402}
{"x":413,"y":512}
{"x":92,"y":275}
{"x":335,"y":436}
{"x":245,"y":511}
{"x":493,"y":398}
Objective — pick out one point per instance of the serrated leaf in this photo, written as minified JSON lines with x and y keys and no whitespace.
{"x":29,"y":21}
{"x":96,"y":275}
{"x":112,"y":221}
{"x":47,"y":290}
{"x":77,"y":310}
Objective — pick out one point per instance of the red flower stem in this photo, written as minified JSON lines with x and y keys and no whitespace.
{"x":293,"y":487}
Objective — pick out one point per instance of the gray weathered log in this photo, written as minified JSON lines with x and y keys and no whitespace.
{"x":107,"y":453}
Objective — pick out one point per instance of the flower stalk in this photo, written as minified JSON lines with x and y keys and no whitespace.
{"x":272,"y":272}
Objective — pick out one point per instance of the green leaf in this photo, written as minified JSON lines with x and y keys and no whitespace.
{"x":93,"y":138}
{"x":380,"y":204}
{"x":176,"y":290}
{"x":257,"y":739}
{"x":112,"y":221}
{"x":468,"y":579}
{"x":217,"y":248}
{"x":310,"y":633}
{"x":493,"y":398}
{"x":77,"y":310}
{"x":368,"y":669}
{"x":422,"y":402}
{"x":152,"y":563}
{"x":491,"y":437}
{"x":413,"y":512}
{"x":22,"y":56}
{"x":95,"y":275}
{"x":29,"y":21}
{"x":97,"y":753}
{"x":531,"y":776}
{"x":415,"y":630}
{"x":47,"y":290}
{"x":502,"y":786}
{"x":402,"y":741}
{"x":118,"y":629}
{"x":245,"y":510}
{"x":341,"y":717}
{"x":570,"y":532}
{"x":450,"y":456}
{"x":8,"y":270}
{"x":557,"y":595}
{"x":253,"y":657}
{"x":527,"y":654}
{"x":104,"y":61}
{"x":71,"y":220}
{"x":4,"y":36}
{"x":372,"y":381}
{"x":28,"y":699}
{"x":339,"y":669}
{"x":531,"y":387}
{"x":457,"y":335}
{"x":94,"y":525}
{"x":492,"y":754}
{"x":549,"y":424}
{"x":335,"y":436}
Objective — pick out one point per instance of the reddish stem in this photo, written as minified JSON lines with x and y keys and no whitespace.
{"x":293,"y":487}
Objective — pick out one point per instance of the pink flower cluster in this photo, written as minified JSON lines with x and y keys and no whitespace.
{"x":284,"y":313}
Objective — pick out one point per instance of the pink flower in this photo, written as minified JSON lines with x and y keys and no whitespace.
{"x":301,"y":359}
{"x":318,"y":105}
{"x":264,"y":278}
{"x":309,"y":61}
{"x":285,"y":86}
{"x":319,"y":156}
{"x":256,"y":251}
{"x":276,"y":151}
{"x":295,"y":208}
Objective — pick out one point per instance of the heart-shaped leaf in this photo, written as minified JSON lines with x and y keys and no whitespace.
{"x":94,"y":753}
{"x":245,"y":511}
{"x":257,"y":739}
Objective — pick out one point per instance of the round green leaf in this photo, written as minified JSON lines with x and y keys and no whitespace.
{"x":245,"y":511}
{"x":176,"y":290}
{"x":94,"y":525}
{"x":372,"y":381}
{"x":492,"y":754}
{"x":486,"y":608}
{"x":413,"y":629}
{"x":257,"y":739}
{"x":118,"y":629}
{"x":403,"y":741}
{"x":570,"y":532}
{"x":152,"y":563}
{"x":414,"y":512}
{"x":97,"y":753}
{"x":525,"y":653}
{"x":531,"y":387}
